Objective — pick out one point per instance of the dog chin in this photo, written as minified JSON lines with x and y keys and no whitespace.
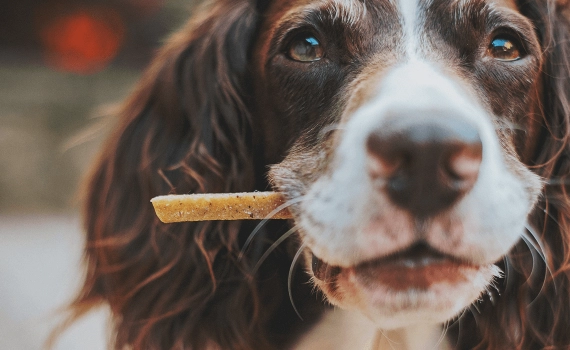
{"x":400,"y":295}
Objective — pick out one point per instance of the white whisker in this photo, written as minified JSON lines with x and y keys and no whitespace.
{"x":264,"y":221}
{"x":458,"y":318}
{"x":442,"y":336}
{"x":550,"y":216}
{"x":507,"y":268}
{"x":536,"y":237}
{"x":542,"y":251}
{"x":474,"y":305}
{"x":534,"y":251}
{"x":273,"y":246}
{"x":557,"y":181}
{"x":291,"y":269}
{"x":458,"y":321}
{"x":475,"y":316}
{"x":390,"y":341}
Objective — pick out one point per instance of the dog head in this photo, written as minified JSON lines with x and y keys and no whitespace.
{"x":416,"y":140}
{"x":417,"y":189}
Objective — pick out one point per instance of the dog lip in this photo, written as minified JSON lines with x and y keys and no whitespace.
{"x":416,"y":256}
{"x":323,"y":271}
{"x":418,"y":267}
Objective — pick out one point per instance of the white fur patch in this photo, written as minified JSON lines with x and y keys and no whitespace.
{"x":348,"y":221}
{"x":409,"y":11}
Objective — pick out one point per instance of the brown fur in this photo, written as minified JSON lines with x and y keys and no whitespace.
{"x":193,"y":126}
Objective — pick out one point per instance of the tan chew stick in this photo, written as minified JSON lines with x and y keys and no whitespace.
{"x":219,"y":206}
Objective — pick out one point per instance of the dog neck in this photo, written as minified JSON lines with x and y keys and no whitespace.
{"x":418,"y":337}
{"x":347,"y":330}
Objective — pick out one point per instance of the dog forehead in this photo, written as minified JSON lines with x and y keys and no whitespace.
{"x":407,"y":5}
{"x":411,"y":10}
{"x":282,"y":9}
{"x":412,"y":14}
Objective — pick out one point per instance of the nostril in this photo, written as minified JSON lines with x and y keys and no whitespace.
{"x":384,"y":158}
{"x":462,"y":165}
{"x":466,"y":162}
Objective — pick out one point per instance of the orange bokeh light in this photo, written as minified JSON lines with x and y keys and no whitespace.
{"x":83,"y":42}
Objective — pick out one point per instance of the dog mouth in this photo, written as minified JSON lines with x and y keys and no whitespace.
{"x":417,"y":267}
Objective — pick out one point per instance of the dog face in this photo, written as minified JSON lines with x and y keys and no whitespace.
{"x":404,"y":131}
{"x":410,"y":165}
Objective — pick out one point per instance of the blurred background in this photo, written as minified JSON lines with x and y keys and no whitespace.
{"x":65,"y":65}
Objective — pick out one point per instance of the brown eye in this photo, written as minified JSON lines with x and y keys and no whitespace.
{"x":504,"y":49}
{"x":305,"y":48}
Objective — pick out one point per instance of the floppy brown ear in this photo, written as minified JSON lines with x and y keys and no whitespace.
{"x":186,"y":129}
{"x":563,"y":6}
{"x":548,"y":314}
{"x":531,"y":308}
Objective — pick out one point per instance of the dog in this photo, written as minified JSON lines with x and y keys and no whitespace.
{"x":422,"y":148}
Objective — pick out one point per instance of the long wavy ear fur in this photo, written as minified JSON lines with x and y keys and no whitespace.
{"x":186,"y":129}
{"x":531,"y":307}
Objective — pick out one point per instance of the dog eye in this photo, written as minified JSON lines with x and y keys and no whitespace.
{"x":504,"y":48}
{"x":305,"y":48}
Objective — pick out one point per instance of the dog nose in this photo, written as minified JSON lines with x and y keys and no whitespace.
{"x":425,"y":166}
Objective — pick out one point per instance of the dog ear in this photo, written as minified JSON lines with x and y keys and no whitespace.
{"x":531,"y":310}
{"x":549,"y":295}
{"x":186,"y":129}
{"x":563,"y":6}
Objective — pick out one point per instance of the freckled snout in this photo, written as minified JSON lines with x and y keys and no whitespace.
{"x":425,"y":166}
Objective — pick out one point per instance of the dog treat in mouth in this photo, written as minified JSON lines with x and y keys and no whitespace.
{"x":220,"y":206}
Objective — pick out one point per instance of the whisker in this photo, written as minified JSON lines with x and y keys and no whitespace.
{"x":390,"y":341}
{"x":458,"y":318}
{"x":550,"y":216}
{"x":474,"y":305}
{"x":291,"y":269}
{"x":442,"y":336}
{"x":273,"y":246}
{"x":475,"y":315}
{"x":557,"y":181}
{"x":533,"y":252}
{"x":458,"y":321}
{"x":490,"y":294}
{"x":507,"y":268}
{"x":541,"y":252}
{"x":264,"y":221}
{"x":536,"y":237}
